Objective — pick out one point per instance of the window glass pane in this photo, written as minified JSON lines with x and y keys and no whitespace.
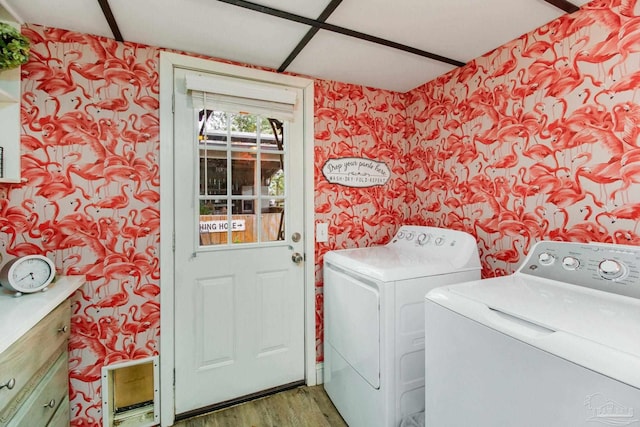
{"x":213,"y":207}
{"x":271,"y":134}
{"x":212,"y":226}
{"x":265,"y":126}
{"x":213,"y":176}
{"x":244,"y":131}
{"x":243,"y":174}
{"x":272,"y":176}
{"x":243,"y":225}
{"x":213,"y":127}
{"x":272,"y":225}
{"x":256,"y":193}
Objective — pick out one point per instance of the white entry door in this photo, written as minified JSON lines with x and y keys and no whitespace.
{"x":239,"y":272}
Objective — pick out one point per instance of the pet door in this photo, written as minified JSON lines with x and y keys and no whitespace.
{"x":130,"y":393}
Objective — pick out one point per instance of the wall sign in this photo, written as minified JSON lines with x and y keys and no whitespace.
{"x":221,"y":226}
{"x":356,"y":172}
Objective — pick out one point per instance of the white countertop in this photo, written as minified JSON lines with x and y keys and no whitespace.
{"x":19,"y":314}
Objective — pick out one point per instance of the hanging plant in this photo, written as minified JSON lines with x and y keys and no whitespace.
{"x":14,"y":47}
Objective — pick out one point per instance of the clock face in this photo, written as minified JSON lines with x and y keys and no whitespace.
{"x":30,"y":273}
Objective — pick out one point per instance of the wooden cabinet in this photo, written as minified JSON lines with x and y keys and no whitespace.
{"x":61,"y":417}
{"x":35,"y":373}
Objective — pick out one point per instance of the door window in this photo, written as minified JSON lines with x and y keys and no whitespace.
{"x":241,"y":170}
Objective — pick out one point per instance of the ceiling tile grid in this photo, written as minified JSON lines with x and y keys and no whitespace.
{"x":333,"y":56}
{"x":457,"y":29}
{"x":209,"y":28}
{"x":84,"y":16}
{"x":307,"y":8}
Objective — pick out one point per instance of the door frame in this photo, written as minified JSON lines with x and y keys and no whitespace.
{"x":169,"y":61}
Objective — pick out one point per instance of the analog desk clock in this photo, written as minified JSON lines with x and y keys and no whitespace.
{"x":27,"y":274}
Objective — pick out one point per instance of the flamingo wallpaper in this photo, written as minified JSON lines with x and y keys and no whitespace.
{"x":536,"y":139}
{"x":90,"y":142}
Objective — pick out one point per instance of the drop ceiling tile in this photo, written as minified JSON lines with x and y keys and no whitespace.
{"x":84,"y":16}
{"x":307,"y":8}
{"x":333,"y":56}
{"x":209,"y":28}
{"x":458,"y":29}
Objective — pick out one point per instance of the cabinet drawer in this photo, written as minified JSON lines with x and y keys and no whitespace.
{"x":27,"y":361}
{"x":62,"y":417}
{"x":41,"y":406}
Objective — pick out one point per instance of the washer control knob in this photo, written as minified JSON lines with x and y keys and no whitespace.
{"x":422,"y":239}
{"x":570,"y":263}
{"x":401,"y":235}
{"x":410,"y":236}
{"x":439,"y":241}
{"x":610,"y":269}
{"x":546,"y":258}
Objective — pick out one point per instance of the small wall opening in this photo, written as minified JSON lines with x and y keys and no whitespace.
{"x":130,"y":393}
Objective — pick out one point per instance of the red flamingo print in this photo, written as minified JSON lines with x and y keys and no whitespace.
{"x":509,"y":256}
{"x":114,"y":300}
{"x":627,"y":120}
{"x":117,"y":105}
{"x":628,"y":41}
{"x":556,"y":116}
{"x":508,"y":65}
{"x":116,"y":202}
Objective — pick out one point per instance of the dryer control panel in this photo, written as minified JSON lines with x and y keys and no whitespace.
{"x":424,"y":236}
{"x":606,"y":267}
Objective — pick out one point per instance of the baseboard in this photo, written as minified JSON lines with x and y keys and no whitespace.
{"x":320,"y":373}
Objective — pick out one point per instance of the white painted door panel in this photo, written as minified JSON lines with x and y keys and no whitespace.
{"x":239,"y":307}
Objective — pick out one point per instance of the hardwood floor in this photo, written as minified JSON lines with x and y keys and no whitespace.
{"x":299,"y":407}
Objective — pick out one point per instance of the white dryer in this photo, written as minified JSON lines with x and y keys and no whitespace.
{"x":555,"y":344}
{"x":374,"y":320}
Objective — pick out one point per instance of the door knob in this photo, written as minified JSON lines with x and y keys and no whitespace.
{"x":297,"y":257}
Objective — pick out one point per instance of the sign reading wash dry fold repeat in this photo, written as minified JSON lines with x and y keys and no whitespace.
{"x":356,"y":172}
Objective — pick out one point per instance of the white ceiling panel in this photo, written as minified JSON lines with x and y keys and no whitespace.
{"x":336,"y":57}
{"x":84,"y":16}
{"x":458,"y":29}
{"x":307,"y":8}
{"x":209,"y":28}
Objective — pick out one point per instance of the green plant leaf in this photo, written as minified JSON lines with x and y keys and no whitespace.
{"x":14,"y":47}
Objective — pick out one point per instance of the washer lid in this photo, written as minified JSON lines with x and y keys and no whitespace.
{"x":391,"y":263}
{"x":599,"y":330}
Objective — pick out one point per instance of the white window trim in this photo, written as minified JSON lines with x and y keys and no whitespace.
{"x":169,"y":61}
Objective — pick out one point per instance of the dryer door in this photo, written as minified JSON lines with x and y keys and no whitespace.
{"x":352,"y":321}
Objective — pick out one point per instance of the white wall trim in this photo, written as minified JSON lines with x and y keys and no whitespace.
{"x":320,"y":373}
{"x":167,"y":406}
{"x":168,"y":61}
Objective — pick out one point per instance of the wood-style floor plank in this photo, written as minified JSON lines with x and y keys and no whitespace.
{"x":302,"y":406}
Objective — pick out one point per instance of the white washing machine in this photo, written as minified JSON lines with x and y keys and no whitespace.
{"x":374,"y":320}
{"x":555,"y":344}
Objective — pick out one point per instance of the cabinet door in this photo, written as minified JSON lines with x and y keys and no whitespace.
{"x":61,"y":418}
{"x":41,"y":406}
{"x":26,"y":361}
